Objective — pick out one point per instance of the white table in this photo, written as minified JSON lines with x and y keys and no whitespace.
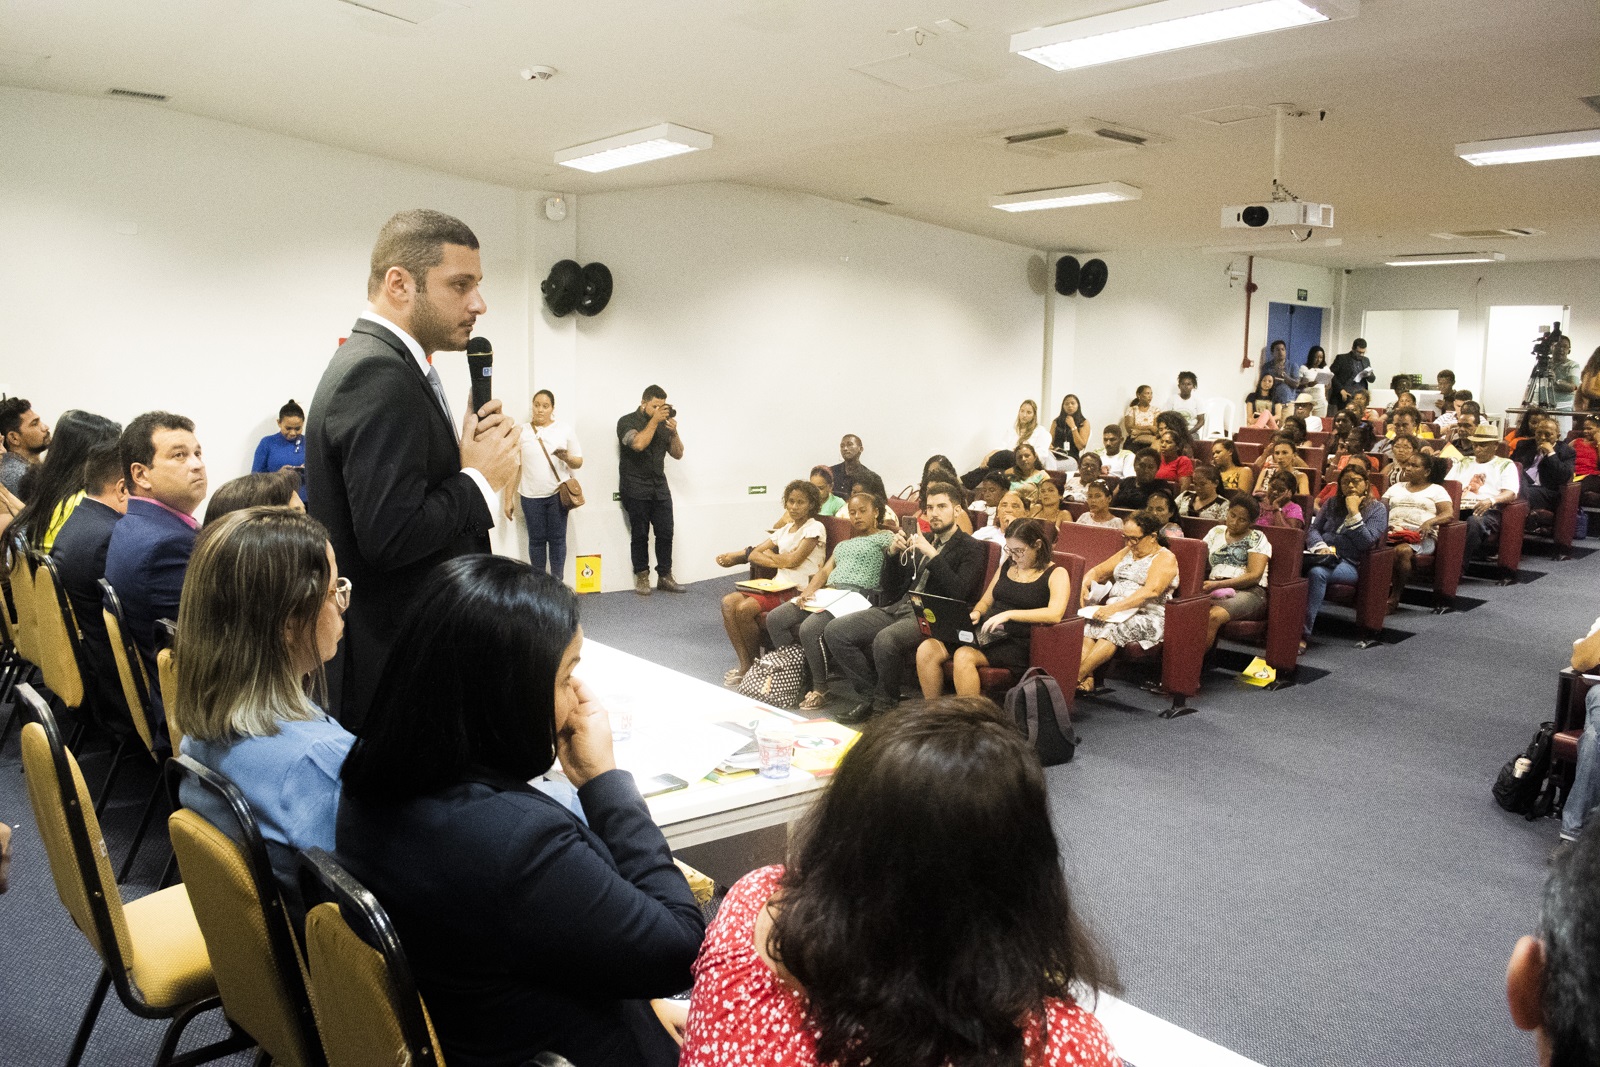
{"x":1146,"y":1040}
{"x":666,"y":703}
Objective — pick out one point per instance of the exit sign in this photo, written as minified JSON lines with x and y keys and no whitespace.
{"x":1300,"y":294}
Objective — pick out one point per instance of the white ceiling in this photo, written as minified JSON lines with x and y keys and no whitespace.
{"x":773,"y":80}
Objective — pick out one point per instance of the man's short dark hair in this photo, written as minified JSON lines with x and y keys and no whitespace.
{"x":1112,"y":428}
{"x":653,"y":392}
{"x":1447,"y":373}
{"x":414,"y":241}
{"x":992,"y":478}
{"x":945,"y":489}
{"x":1463,"y":395}
{"x":138,"y":444}
{"x":103,"y":468}
{"x":12,"y":408}
{"x":1147,"y":451}
{"x":1569,"y":926}
{"x":1189,"y":374}
{"x":1359,"y":342}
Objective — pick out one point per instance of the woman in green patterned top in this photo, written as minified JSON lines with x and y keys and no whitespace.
{"x":856,"y":566}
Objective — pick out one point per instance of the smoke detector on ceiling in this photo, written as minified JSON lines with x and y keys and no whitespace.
{"x":538,"y":73}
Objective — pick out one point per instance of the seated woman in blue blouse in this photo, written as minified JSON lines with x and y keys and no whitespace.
{"x":286,"y":448}
{"x":528,"y":931}
{"x":262,"y":611}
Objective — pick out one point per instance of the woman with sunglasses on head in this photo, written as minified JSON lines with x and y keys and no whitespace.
{"x":1143,"y":576}
{"x":1027,"y":590}
{"x":262,"y":610}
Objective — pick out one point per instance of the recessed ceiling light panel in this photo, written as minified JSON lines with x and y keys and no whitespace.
{"x":1069,"y":196}
{"x":1445,"y":259}
{"x":1571,"y":145}
{"x":1168,"y":25}
{"x":640,"y":146}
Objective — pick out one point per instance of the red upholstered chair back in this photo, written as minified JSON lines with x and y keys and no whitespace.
{"x":1075,"y":567}
{"x":838,"y":529}
{"x":1453,"y":487}
{"x":979,"y":519}
{"x":1320,"y":438}
{"x":1313,"y":456}
{"x":1095,"y":544}
{"x":1074,"y":508}
{"x":1191,"y":564}
{"x":1288,"y":546}
{"x":1253,"y":434}
{"x":1197,"y":528}
{"x":990,"y":566}
{"x":1249,"y":451}
{"x":903,"y":507}
{"x":1059,"y":477}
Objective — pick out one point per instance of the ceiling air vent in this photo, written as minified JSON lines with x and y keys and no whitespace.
{"x":874,"y":201}
{"x":1074,"y":138}
{"x":1480,"y":235}
{"x":134,"y":94}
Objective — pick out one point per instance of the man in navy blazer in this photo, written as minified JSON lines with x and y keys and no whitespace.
{"x":399,"y":489}
{"x":80,"y":558}
{"x":148,"y":554}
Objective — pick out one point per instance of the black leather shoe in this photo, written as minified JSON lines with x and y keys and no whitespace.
{"x":857,"y":715}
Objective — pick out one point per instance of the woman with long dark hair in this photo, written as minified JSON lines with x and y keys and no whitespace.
{"x":57,"y":484}
{"x":1316,"y":379}
{"x":846,"y":958}
{"x":529,"y":929}
{"x":1346,"y":526}
{"x":1069,"y":430}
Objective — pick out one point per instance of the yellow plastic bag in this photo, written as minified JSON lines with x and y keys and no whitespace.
{"x":1259,"y":673}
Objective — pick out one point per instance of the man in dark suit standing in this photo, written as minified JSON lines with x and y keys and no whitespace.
{"x":148,"y":554}
{"x":80,"y":558}
{"x":398,"y":487}
{"x":1351,"y":370}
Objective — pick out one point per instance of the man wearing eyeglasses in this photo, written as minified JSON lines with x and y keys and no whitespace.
{"x":872,"y":647}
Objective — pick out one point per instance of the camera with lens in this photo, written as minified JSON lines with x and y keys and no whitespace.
{"x":672,"y":412}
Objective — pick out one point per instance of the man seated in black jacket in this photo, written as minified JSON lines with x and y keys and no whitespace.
{"x":872,"y":648}
{"x":80,"y":558}
{"x":1133,"y":492}
{"x":1547,"y":465}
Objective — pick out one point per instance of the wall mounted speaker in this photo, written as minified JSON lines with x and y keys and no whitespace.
{"x":596,"y":289}
{"x":1067,"y":275}
{"x":563,"y":288}
{"x":1092,"y":279}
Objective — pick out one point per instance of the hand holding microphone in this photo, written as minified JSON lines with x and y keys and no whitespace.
{"x":488,"y":437}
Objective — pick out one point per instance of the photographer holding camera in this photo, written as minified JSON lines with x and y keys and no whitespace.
{"x":647,"y":436}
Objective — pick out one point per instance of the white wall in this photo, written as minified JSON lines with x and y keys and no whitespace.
{"x":1472,"y":290}
{"x":778,"y":322}
{"x":248,"y":264}
{"x":1418,"y":341}
{"x":1163,"y":312}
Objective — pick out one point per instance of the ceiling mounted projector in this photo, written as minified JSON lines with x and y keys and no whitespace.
{"x":1281,"y":213}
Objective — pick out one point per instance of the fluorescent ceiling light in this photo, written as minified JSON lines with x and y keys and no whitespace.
{"x":1531,"y":149}
{"x":1445,"y":259}
{"x":1071,"y":196}
{"x":1168,"y":25}
{"x":640,"y":146}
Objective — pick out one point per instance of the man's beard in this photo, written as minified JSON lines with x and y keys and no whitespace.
{"x":430,"y":329}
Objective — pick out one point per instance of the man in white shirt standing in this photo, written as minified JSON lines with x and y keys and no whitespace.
{"x":1185,"y":401}
{"x":1487,"y":481}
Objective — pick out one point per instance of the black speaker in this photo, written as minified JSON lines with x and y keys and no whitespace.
{"x":1067,"y":275}
{"x":1092,"y":279}
{"x":596,"y":289}
{"x":563,"y":288}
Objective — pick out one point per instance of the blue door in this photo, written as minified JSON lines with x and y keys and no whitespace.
{"x":1298,"y":325}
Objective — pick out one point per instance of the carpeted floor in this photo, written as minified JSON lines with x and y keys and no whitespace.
{"x":1313,"y":877}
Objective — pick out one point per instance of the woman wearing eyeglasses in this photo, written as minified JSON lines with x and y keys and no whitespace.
{"x":262,"y":611}
{"x":1143,"y":576}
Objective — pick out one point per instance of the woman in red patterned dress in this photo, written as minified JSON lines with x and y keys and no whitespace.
{"x":924,"y":922}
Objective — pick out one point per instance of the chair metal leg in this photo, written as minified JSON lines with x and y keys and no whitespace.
{"x":111,"y":776}
{"x":169,"y":873}
{"x":236,"y":1041}
{"x":90,"y":1014}
{"x":138,"y":838}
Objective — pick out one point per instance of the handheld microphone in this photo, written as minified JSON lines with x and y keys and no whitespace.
{"x":480,"y":366}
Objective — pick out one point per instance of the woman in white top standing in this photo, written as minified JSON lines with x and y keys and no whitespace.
{"x":1317,"y":379}
{"x":1027,"y":431}
{"x":550,"y":453}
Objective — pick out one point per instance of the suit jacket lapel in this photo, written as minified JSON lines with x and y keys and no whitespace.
{"x":373,"y":329}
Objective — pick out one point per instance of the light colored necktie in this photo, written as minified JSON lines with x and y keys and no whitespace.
{"x":444,"y":405}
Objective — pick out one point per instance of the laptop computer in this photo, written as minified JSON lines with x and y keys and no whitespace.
{"x":946,"y":618}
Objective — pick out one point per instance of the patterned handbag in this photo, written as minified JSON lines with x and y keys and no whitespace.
{"x":777,"y":678}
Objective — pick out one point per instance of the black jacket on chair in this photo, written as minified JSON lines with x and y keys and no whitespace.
{"x":527,"y":930}
{"x":389,"y":487}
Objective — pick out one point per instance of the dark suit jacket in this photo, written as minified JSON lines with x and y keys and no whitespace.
{"x":80,"y":557}
{"x":956,"y":572}
{"x":145,"y":563}
{"x":527,"y":930}
{"x":1555,"y":471}
{"x":390,"y":490}
{"x":1347,"y":367}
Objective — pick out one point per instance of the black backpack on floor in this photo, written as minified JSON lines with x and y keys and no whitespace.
{"x":1041,"y":713}
{"x":1523,"y":786}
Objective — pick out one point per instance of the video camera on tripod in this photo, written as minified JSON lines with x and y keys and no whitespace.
{"x":1542,"y":383}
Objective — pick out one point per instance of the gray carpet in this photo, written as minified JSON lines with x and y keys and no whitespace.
{"x":1315,"y":877}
